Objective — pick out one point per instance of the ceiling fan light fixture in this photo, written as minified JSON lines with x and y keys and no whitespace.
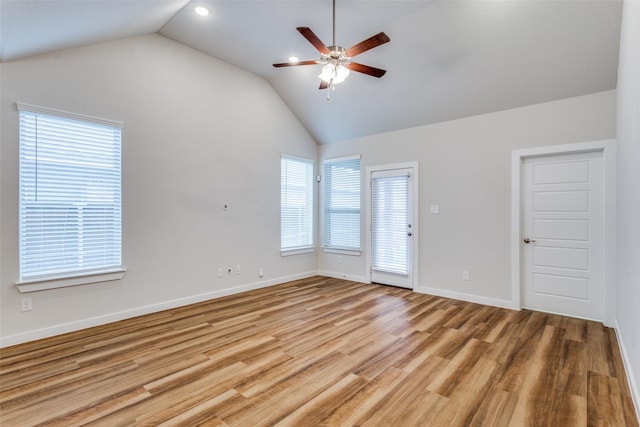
{"x":334,"y":73}
{"x":294,"y":59}
{"x":342,"y":73}
{"x":202,"y":11}
{"x":328,"y":73}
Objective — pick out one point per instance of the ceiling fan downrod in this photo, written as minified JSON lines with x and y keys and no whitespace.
{"x":334,"y":22}
{"x":333,"y":61}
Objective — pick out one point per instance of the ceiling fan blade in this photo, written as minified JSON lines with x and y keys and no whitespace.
{"x":370,"y":43}
{"x":294,"y":64}
{"x":313,"y":39}
{"x":365,"y":69}
{"x":323,"y":85}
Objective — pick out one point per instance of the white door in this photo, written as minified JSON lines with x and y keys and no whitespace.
{"x":392,"y":227}
{"x":563,"y":235}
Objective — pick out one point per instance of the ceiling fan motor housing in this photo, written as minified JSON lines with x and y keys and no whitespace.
{"x":337,"y":55}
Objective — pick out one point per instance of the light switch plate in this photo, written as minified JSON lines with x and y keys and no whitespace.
{"x":26,"y":304}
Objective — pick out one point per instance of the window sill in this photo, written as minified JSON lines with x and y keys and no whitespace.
{"x":352,"y":252}
{"x":297,"y":251}
{"x":63,"y":282}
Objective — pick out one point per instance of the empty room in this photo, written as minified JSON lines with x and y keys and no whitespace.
{"x":320,"y":213}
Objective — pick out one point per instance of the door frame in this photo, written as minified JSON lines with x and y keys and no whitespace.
{"x":608,"y":150}
{"x":415,"y":258}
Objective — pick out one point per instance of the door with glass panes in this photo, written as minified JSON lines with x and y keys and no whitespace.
{"x":392,"y":227}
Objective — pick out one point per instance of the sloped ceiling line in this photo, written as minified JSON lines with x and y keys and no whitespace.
{"x":446,"y":59}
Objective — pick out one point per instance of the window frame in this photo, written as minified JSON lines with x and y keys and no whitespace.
{"x":344,"y":250}
{"x":37,"y":282}
{"x":303,"y":248}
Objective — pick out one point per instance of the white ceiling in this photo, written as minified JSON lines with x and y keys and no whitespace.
{"x":446,"y":59}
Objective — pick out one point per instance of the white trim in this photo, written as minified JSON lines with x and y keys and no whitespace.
{"x":139,"y":311}
{"x":43,"y":284}
{"x":337,"y":275}
{"x":609,"y":162}
{"x":415,"y":261}
{"x":21,"y":106}
{"x":297,"y":251}
{"x":494,"y":302}
{"x":300,"y":159}
{"x":341,"y":159}
{"x":573,"y":148}
{"x":350,"y":252}
{"x":628,"y":369}
{"x":607,"y":147}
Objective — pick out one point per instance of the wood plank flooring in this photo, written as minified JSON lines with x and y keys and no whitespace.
{"x":322,"y":352}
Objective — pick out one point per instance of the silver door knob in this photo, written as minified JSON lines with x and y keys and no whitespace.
{"x":527,"y":240}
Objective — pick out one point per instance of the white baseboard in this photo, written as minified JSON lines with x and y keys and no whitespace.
{"x":628,"y":369}
{"x":139,"y":311}
{"x":495,"y":302}
{"x":336,"y":275}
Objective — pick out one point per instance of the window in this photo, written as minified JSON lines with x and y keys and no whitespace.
{"x":70,"y":208}
{"x":296,"y":205}
{"x":342,"y":204}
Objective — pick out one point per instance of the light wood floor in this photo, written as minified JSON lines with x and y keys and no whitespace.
{"x":322,"y":352}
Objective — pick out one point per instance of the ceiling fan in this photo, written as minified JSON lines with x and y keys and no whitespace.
{"x":337,"y":59}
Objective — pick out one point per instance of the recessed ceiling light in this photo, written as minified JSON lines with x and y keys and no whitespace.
{"x":202,"y":11}
{"x":294,"y":59}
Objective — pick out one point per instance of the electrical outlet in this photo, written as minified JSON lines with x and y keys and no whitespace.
{"x":26,"y":304}
{"x":220,"y":271}
{"x":260,"y":272}
{"x":465,"y":275}
{"x":237,"y":269}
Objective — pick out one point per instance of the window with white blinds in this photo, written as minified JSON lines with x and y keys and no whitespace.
{"x":70,"y":195}
{"x":342,"y":203}
{"x":389,"y":217}
{"x":296,"y":203}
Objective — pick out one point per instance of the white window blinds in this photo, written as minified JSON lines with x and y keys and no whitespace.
{"x":70,"y":201}
{"x":296,"y":203}
{"x":390,"y":207}
{"x":342,"y":203}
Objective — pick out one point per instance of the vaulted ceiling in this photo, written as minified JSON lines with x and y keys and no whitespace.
{"x":446,"y":59}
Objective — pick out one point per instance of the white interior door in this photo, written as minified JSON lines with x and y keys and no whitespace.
{"x":392,"y":227}
{"x":562,"y":242}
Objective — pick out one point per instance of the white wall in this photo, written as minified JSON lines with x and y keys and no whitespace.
{"x":465,"y":168}
{"x":628,"y":193}
{"x":197,"y":133}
